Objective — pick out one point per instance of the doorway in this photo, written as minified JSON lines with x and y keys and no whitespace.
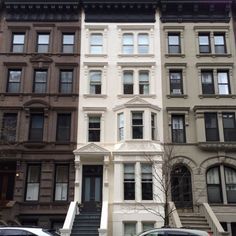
{"x":7,"y":182}
{"x":92,"y":188}
{"x":181,"y":187}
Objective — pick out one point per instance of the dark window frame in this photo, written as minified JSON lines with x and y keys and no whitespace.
{"x":207,"y":88}
{"x":37,"y":83}
{"x":212,"y":133}
{"x":63,"y":128}
{"x":66,"y":182}
{"x":221,"y":46}
{"x":174,"y":48}
{"x":95,"y":87}
{"x":42,"y":44}
{"x":94,"y":129}
{"x":66,"y":87}
{"x":178,"y":134}
{"x":227,"y":84}
{"x":129,"y":183}
{"x":22,"y":45}
{"x":8,"y":134}
{"x":137,"y":125}
{"x":229,"y":133}
{"x":9,"y":83}
{"x":31,"y":134}
{"x":176,"y":84}
{"x":128,"y":87}
{"x":69,"y":45}
{"x":146,"y":183}
{"x":204,"y":48}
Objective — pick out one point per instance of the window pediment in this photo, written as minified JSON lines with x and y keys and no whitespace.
{"x":91,"y":149}
{"x":41,"y":59}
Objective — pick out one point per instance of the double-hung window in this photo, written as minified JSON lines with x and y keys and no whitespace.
{"x":219,"y":43}
{"x":137,"y":125}
{"x":229,"y":126}
{"x":211,"y":127}
{"x":147,"y":185}
{"x":61,"y":183}
{"x":96,"y":43}
{"x":33,"y":181}
{"x":207,"y":82}
{"x":95,"y":81}
{"x":176,"y":82}
{"x":18,"y":42}
{"x":128,"y":43}
{"x":129,"y":182}
{"x":121,"y":126}
{"x":14,"y":79}
{"x":66,"y":81}
{"x":40,"y":81}
{"x":94,"y":129}
{"x":36,"y":127}
{"x":204,"y":43}
{"x":129,"y":228}
{"x":174,"y":43}
{"x":68,"y":41}
{"x":143,"y":43}
{"x":43,"y":42}
{"x":128,"y":82}
{"x":63,"y":127}
{"x":9,"y":124}
{"x":223,"y":82}
{"x":178,"y":129}
{"x":143,"y":82}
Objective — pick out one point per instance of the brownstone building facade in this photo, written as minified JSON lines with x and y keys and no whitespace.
{"x":39,"y":67}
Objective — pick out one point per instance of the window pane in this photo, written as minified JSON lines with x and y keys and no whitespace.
{"x":230,"y":179}
{"x":121,"y":126}
{"x":66,"y":78}
{"x":176,"y":86}
{"x":173,"y":39}
{"x":63,"y":127}
{"x":147,"y":225}
{"x":178,"y":129}
{"x":9,"y":123}
{"x":207,"y":82}
{"x":18,"y":38}
{"x":13,"y":85}
{"x":61,"y":187}
{"x":33,"y":179}
{"x":94,"y":129}
{"x":68,"y":39}
{"x":36,"y":127}
{"x":143,"y":43}
{"x":129,"y":229}
{"x":147,"y":192}
{"x":211,"y":125}
{"x":128,"y":44}
{"x":43,"y":38}
{"x":96,"y":43}
{"x":204,"y":43}
{"x":223,"y":83}
{"x":129,"y":182}
{"x":229,"y":126}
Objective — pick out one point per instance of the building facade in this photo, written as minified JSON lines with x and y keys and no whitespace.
{"x":39,"y":95}
{"x":198,"y":58}
{"x":119,"y":112}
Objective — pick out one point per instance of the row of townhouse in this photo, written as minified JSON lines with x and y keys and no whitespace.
{"x":90,"y":92}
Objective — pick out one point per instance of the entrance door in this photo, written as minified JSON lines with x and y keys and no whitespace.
{"x":7,"y":181}
{"x":92,"y":188}
{"x":181,"y":187}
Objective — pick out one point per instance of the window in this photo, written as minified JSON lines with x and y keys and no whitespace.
{"x":95,"y":78}
{"x":33,"y":181}
{"x":143,"y":43}
{"x":229,"y":126}
{"x":68,"y":41}
{"x":128,"y":44}
{"x":146,"y":173}
{"x":36,"y":127}
{"x":153,"y":126}
{"x":178,"y":129}
{"x":129,"y":182}
{"x":40,"y":81}
{"x":43,"y":43}
{"x":121,"y":126}
{"x":96,"y":43}
{"x":219,"y":43}
{"x":215,"y":186}
{"x":223,"y":82}
{"x":129,"y":229}
{"x":174,"y":43}
{"x":204,"y":43}
{"x":176,"y":82}
{"x":211,"y":127}
{"x":9,"y":124}
{"x":66,"y":81}
{"x":137,"y":125}
{"x":143,"y":82}
{"x":207,"y":82}
{"x":128,"y":84}
{"x":63,"y":127}
{"x":18,"y":42}
{"x":147,"y":225}
{"x":94,"y":129}
{"x":61,"y":183}
{"x":14,"y":79}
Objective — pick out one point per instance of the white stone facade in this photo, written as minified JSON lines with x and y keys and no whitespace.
{"x":102,"y":101}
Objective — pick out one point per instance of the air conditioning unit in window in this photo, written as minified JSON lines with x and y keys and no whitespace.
{"x":176,"y":91}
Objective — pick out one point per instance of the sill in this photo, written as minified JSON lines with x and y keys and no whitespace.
{"x":96,"y":55}
{"x":174,"y":55}
{"x":95,"y":96}
{"x":136,"y":55}
{"x":217,"y":146}
{"x":34,"y":144}
{"x":217,"y":96}
{"x":177,"y":96}
{"x":135,"y":95}
{"x":214,"y":55}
